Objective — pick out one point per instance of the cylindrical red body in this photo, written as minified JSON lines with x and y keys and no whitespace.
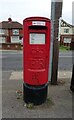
{"x":36,"y":50}
{"x":36,"y":56}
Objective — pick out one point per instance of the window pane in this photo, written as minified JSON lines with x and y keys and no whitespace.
{"x":67,"y":40}
{"x":15,"y":39}
{"x":2,"y":39}
{"x":15,"y":32}
{"x":2,"y":31}
{"x":66,"y":30}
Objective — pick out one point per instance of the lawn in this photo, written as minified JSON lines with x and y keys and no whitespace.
{"x":64,"y":48}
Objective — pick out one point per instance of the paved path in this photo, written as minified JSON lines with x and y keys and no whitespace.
{"x":60,"y":95}
{"x":17,"y":75}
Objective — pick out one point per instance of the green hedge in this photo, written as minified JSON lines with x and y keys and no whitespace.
{"x":64,"y":48}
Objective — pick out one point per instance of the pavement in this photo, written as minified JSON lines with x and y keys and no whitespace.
{"x":58,"y":104}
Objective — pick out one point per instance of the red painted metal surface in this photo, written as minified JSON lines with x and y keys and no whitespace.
{"x":36,"y":55}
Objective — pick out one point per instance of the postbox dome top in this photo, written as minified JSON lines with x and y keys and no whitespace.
{"x":37,"y":18}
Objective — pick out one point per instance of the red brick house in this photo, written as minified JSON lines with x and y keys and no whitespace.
{"x":11,"y":32}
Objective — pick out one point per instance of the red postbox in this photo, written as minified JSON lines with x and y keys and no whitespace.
{"x":36,"y":53}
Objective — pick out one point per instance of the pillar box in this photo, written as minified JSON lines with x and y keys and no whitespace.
{"x":36,"y":56}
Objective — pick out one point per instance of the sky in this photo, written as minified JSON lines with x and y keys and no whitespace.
{"x":18,"y":10}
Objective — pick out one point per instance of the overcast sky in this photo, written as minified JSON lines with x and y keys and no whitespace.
{"x":20,"y":9}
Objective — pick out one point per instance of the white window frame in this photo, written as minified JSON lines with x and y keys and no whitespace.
{"x":66,"y":30}
{"x":2,"y":39}
{"x":67,"y":40}
{"x":2,"y":31}
{"x":15,"y":39}
{"x":15,"y":31}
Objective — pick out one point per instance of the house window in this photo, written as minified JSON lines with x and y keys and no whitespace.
{"x":15,"y":32}
{"x":66,"y":30}
{"x":2,"y":39}
{"x":73,"y":30}
{"x":2,"y":31}
{"x":15,"y":39}
{"x":67,"y":40}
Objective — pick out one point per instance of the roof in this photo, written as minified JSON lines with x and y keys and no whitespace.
{"x":65,"y":24}
{"x":9,"y":25}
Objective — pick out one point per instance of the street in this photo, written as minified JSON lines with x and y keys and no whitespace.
{"x":12,"y":80}
{"x":14,"y":60}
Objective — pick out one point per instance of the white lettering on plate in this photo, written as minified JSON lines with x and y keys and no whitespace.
{"x":42,"y":23}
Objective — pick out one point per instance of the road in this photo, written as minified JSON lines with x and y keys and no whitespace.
{"x":13,"y":60}
{"x":65,"y":60}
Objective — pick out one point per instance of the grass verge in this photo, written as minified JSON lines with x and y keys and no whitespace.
{"x":64,"y":48}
